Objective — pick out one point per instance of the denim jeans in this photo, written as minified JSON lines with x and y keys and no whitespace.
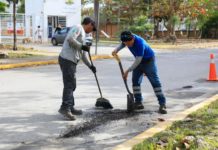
{"x":68,"y":69}
{"x":148,"y":68}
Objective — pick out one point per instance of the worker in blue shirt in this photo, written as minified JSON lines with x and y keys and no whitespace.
{"x":144,"y":64}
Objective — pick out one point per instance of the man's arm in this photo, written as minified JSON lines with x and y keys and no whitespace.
{"x":139,"y":57}
{"x":118,"y":48}
{"x":85,"y":60}
{"x":137,"y":61}
{"x":135,"y":64}
{"x":71,"y":38}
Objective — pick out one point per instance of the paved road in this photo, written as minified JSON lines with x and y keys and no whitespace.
{"x":30,"y":98}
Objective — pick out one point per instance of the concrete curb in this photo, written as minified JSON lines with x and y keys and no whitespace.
{"x":40,"y":63}
{"x":28,"y":64}
{"x":128,"y":145}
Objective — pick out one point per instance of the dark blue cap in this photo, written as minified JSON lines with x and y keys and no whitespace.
{"x":126,"y":36}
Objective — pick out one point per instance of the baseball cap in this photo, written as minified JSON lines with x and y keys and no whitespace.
{"x":88,"y":20}
{"x":126,"y":36}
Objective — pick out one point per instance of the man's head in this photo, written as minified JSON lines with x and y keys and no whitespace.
{"x":127,"y":38}
{"x":89,"y":25}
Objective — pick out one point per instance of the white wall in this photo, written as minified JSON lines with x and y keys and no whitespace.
{"x":73,"y":13}
{"x":34,"y":8}
{"x":60,"y":8}
{"x":41,"y":9}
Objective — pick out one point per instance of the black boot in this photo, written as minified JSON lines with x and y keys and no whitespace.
{"x":138,"y":105}
{"x":66,"y":113}
{"x":162,"y":109}
{"x":76,"y":111}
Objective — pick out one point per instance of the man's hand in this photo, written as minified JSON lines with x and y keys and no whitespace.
{"x":85,"y":48}
{"x":125,"y":75}
{"x":114,"y":53}
{"x":93,"y":69}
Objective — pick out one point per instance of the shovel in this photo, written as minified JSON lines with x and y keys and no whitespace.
{"x":101,"y":102}
{"x":130,"y":97}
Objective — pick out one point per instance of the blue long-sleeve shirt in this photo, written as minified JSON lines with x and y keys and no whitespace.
{"x":140,"y":49}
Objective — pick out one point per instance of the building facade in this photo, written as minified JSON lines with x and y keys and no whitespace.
{"x":48,"y":14}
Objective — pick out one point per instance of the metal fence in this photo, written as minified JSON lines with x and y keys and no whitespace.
{"x":23,"y":27}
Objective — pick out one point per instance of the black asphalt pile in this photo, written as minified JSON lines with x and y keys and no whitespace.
{"x":98,"y":118}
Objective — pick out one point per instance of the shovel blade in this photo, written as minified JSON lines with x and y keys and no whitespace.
{"x":130,"y":103}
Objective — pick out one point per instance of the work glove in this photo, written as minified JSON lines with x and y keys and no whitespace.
{"x":93,"y":69}
{"x":85,"y":48}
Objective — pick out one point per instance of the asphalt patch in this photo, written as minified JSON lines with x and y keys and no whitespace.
{"x":187,"y":87}
{"x":184,"y":94}
{"x":98,"y":118}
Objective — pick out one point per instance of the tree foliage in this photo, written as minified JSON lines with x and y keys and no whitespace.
{"x":171,"y":12}
{"x":21,"y":8}
{"x":3,"y":7}
{"x":124,"y":11}
{"x":87,"y":11}
{"x":166,"y":11}
{"x":141,"y":25}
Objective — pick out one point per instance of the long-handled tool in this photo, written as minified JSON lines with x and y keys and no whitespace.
{"x":130,"y":97}
{"x":101,"y":102}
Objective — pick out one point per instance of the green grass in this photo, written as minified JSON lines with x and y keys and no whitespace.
{"x":199,"y":131}
{"x":21,"y":55}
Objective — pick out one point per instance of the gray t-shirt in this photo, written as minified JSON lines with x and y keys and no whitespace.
{"x":71,"y":49}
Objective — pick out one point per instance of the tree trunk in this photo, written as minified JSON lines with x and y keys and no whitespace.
{"x":14,"y":24}
{"x":96,"y":13}
{"x":189,"y":26}
{"x":156,"y":25}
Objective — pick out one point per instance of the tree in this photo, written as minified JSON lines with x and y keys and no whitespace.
{"x":87,"y":11}
{"x":21,"y":8}
{"x":197,"y":13}
{"x":122,"y":12}
{"x":2,"y":7}
{"x":209,"y":28}
{"x":166,"y":11}
{"x":141,"y":25}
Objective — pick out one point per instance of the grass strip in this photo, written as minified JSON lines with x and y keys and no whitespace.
{"x":199,"y":131}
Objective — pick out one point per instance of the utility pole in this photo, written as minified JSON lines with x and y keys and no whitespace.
{"x":14,"y":22}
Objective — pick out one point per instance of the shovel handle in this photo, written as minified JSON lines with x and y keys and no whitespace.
{"x":96,"y":78}
{"x":122,"y":72}
{"x":117,"y":57}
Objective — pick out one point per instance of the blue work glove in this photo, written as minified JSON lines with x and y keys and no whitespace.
{"x":93,"y":69}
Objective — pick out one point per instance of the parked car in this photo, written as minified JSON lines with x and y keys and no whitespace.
{"x":59,"y":36}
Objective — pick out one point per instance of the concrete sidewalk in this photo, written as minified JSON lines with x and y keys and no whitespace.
{"x":45,"y":58}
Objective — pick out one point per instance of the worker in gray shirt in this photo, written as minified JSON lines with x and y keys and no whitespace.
{"x":74,"y":48}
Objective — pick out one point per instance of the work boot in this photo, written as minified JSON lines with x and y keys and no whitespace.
{"x":138,"y":105}
{"x":66,"y":113}
{"x":76,"y":111}
{"x":162,"y":109}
